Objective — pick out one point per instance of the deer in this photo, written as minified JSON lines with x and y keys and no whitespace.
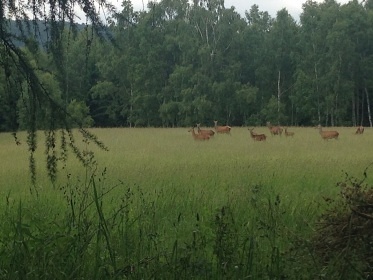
{"x":256,"y":136}
{"x":222,"y":129}
{"x":205,"y":131}
{"x":275,"y":130}
{"x":360,"y":130}
{"x":200,"y":137}
{"x":326,"y":135}
{"x":288,"y":133}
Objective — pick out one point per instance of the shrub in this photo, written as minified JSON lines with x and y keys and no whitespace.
{"x":343,"y":242}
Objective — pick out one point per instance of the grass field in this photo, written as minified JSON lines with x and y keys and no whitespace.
{"x":173,"y":187}
{"x":169,"y":158}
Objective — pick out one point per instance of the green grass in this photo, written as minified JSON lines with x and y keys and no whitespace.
{"x":168,"y":157}
{"x":180,"y":196}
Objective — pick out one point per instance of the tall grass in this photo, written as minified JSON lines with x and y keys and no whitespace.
{"x":161,"y":205}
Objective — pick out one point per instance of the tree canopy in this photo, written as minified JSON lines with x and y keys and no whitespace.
{"x":179,"y":63}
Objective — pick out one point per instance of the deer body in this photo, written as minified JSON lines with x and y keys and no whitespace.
{"x":222,"y":129}
{"x":199,"y":136}
{"x":256,"y":136}
{"x":275,"y":130}
{"x":205,"y":131}
{"x":326,"y":135}
{"x":360,"y":130}
{"x":288,"y":133}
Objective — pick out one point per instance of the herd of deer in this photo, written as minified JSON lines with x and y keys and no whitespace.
{"x":274,"y":130}
{"x":206,"y":134}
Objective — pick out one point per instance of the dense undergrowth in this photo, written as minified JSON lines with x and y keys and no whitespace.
{"x":93,"y":235}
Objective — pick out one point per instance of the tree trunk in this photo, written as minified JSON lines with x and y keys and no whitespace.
{"x":229,"y":111}
{"x":362,"y":110}
{"x":317,"y":93}
{"x":131,"y":106}
{"x":336,"y":117}
{"x":354,"y":110}
{"x":368,"y":105}
{"x":278,"y":95}
{"x":292,"y":112}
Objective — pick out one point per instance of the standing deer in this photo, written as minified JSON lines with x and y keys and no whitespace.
{"x":222,"y":129}
{"x":205,"y":131}
{"x":275,"y":130}
{"x":360,"y":130}
{"x":199,"y":136}
{"x":288,"y":133}
{"x":256,"y":136}
{"x":326,"y":135}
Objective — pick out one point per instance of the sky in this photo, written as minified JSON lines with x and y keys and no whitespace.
{"x":294,"y":7}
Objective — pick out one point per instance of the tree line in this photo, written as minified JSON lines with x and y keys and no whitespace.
{"x":179,"y":63}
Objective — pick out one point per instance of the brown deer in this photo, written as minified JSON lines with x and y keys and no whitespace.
{"x":288,"y":133}
{"x":222,"y":129}
{"x":326,"y":135}
{"x":275,"y":130}
{"x":256,"y":136}
{"x":205,"y":131}
{"x":360,"y":130}
{"x":200,"y":137}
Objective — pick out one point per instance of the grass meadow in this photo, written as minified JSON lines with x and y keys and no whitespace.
{"x":159,"y":205}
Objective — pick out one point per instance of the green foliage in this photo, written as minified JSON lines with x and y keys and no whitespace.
{"x":79,"y":111}
{"x":46,"y":114}
{"x":170,"y":113}
{"x":273,"y":111}
{"x":178,"y":63}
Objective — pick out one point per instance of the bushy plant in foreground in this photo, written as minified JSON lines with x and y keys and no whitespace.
{"x":343,"y":242}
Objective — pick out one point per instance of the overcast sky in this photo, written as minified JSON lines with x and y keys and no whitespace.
{"x":294,"y":7}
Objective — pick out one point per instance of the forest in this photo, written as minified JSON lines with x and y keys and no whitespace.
{"x":151,"y":203}
{"x":177,"y":63}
